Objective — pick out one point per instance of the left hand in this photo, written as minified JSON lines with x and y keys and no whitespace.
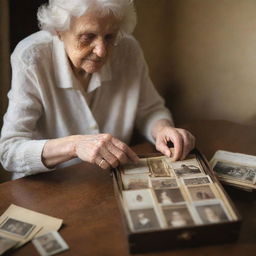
{"x":182,"y":140}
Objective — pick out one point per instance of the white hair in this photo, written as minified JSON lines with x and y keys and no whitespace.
{"x":56,"y":15}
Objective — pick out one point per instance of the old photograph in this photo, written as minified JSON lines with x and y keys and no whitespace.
{"x":197,"y":180}
{"x":144,"y":219}
{"x":50,"y":244}
{"x":187,"y":168}
{"x":234,"y":171}
{"x":169,"y":196}
{"x":138,"y":199}
{"x":158,"y":183}
{"x":16,"y":227}
{"x":212,"y":213}
{"x":136,"y":181}
{"x":203,"y":192}
{"x":158,"y":167}
{"x":177,"y":216}
{"x":139,"y":168}
{"x":6,"y":244}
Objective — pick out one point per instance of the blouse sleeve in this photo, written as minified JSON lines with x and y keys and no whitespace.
{"x":19,"y":151}
{"x":151,"y":106}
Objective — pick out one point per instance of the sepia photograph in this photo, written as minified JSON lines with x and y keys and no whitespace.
{"x":135,"y":181}
{"x":138,"y":199}
{"x":212,"y":213}
{"x":187,"y":168}
{"x":197,"y":180}
{"x":169,"y":196}
{"x":234,"y":171}
{"x":203,"y":192}
{"x":144,"y":219}
{"x":139,"y":168}
{"x":50,"y":244}
{"x":178,"y":216}
{"x":158,"y":183}
{"x":16,"y":227}
{"x":6,"y":244}
{"x":158,"y":167}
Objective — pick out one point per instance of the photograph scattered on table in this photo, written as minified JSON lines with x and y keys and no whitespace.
{"x":159,"y":193}
{"x":235,"y":169}
{"x":16,"y":227}
{"x":6,"y":244}
{"x":232,"y":171}
{"x":50,"y":244}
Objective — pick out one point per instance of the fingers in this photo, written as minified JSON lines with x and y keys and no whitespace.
{"x":102,"y":163}
{"x":188,"y":143}
{"x":114,"y":152}
{"x":182,"y":140}
{"x":178,"y":145}
{"x":130,"y":154}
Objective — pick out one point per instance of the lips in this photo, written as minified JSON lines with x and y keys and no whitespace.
{"x":93,"y":60}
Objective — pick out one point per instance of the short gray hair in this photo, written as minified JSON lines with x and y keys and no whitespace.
{"x":56,"y":15}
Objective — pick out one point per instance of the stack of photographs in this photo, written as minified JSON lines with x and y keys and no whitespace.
{"x":235,"y":169}
{"x":159,"y":194}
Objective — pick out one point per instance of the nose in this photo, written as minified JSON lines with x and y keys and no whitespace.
{"x":100,"y":48}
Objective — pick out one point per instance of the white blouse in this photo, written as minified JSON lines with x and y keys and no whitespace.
{"x":46,"y":101}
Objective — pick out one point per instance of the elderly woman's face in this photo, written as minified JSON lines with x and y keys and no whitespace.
{"x":89,"y":41}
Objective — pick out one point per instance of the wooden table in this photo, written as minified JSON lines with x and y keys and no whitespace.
{"x":83,"y":197}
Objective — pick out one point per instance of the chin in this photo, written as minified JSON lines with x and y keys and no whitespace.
{"x":91,"y":70}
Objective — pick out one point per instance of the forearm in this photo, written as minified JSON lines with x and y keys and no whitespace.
{"x":59,"y":150}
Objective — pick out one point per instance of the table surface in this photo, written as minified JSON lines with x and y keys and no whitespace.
{"x":83,"y":197}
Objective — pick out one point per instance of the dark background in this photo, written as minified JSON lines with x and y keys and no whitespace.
{"x":23,"y":21}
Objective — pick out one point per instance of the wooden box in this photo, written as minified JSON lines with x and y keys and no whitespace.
{"x":197,"y":212}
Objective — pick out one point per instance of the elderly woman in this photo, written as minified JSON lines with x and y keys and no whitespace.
{"x":79,"y":87}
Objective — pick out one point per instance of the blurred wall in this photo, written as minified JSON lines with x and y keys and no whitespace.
{"x":202,"y":56}
{"x":4,"y":68}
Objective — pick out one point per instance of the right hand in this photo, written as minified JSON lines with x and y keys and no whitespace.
{"x":104,"y":150}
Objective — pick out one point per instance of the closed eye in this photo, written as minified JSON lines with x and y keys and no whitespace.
{"x":87,"y":38}
{"x":109,"y":37}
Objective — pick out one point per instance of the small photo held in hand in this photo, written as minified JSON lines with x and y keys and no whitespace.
{"x":197,"y":180}
{"x":158,"y":167}
{"x":237,"y":172}
{"x":136,"y":181}
{"x":169,"y":196}
{"x":198,"y":193}
{"x":178,"y":216}
{"x":160,"y":183}
{"x":188,"y":167}
{"x":16,"y":227}
{"x":50,"y":244}
{"x":211,"y":212}
{"x":139,"y":168}
{"x":138,"y":199}
{"x":6,"y":244}
{"x":144,"y":219}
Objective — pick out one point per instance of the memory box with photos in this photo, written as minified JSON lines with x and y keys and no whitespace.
{"x":167,"y":204}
